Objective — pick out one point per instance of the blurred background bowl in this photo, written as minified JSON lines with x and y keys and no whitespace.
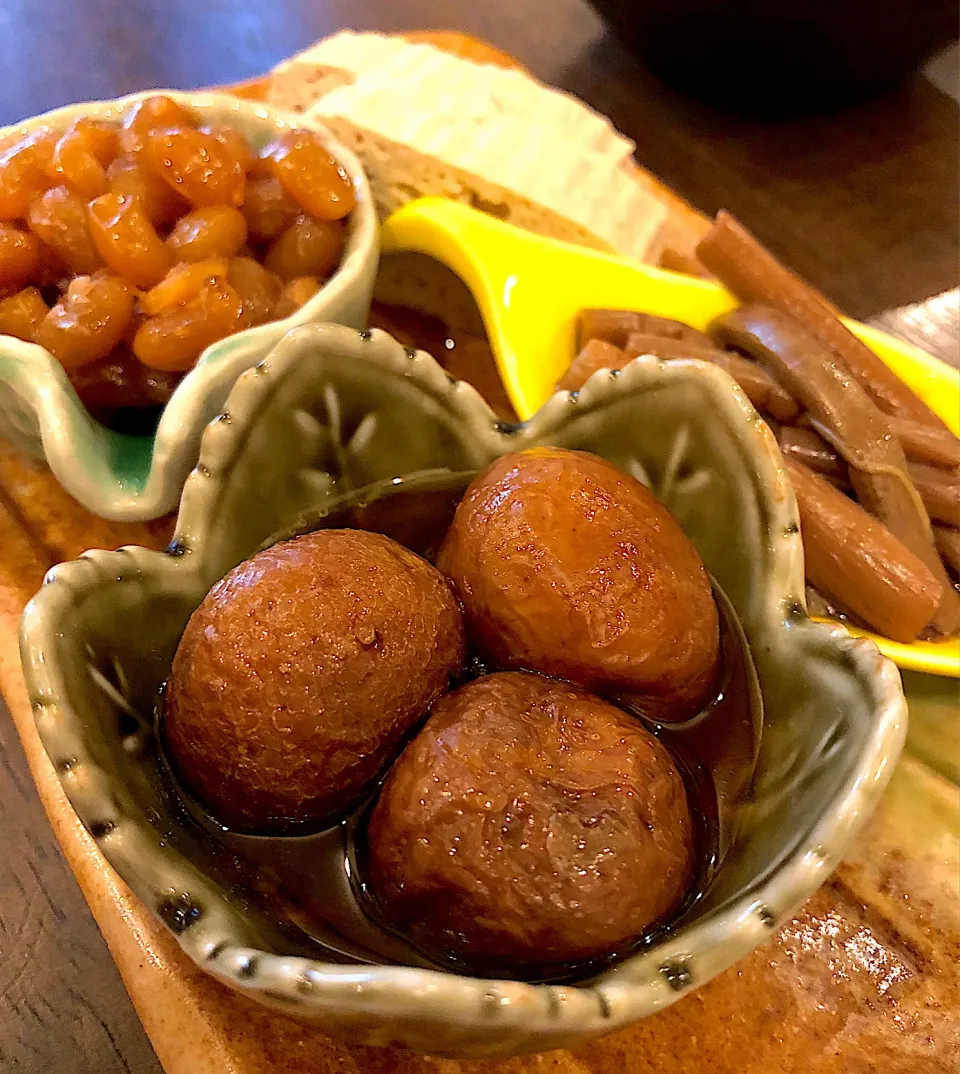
{"x":762,"y":57}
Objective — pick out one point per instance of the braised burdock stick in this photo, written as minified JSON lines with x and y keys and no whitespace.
{"x":594,"y":355}
{"x":810,"y":449}
{"x":635,"y":333}
{"x":845,"y":415}
{"x":948,"y":541}
{"x":939,"y":489}
{"x":758,"y":386}
{"x":924,"y":443}
{"x":920,"y":443}
{"x":616,"y":327}
{"x":753,"y":274}
{"x":855,"y":560}
{"x":940,"y":492}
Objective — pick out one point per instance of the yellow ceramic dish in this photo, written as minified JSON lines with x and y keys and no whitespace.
{"x":530,"y":289}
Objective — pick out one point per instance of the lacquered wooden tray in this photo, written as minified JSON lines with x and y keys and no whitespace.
{"x":863,"y":979}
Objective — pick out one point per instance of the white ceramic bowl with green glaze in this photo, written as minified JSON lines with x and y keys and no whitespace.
{"x":140,"y":477}
{"x":331,"y":411}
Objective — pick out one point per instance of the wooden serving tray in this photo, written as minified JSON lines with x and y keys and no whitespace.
{"x":863,"y":979}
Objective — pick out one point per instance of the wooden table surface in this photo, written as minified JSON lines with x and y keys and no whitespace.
{"x":864,"y":204}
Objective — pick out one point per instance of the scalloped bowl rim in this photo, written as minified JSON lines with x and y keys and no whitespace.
{"x":532,"y":1013}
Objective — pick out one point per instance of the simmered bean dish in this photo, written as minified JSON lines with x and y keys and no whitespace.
{"x":127,"y":248}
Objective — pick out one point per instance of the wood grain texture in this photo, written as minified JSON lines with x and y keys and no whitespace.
{"x":63,"y":1005}
{"x":59,"y":994}
{"x":865,"y":204}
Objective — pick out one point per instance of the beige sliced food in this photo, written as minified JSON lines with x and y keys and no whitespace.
{"x":334,"y":61}
{"x":453,"y":86}
{"x":529,"y":174}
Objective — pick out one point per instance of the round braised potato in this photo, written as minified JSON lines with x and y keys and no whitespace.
{"x":529,"y":824}
{"x":568,"y":566}
{"x":298,"y":676}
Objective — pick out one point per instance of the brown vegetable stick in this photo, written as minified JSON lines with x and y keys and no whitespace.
{"x":753,"y":274}
{"x":939,"y":489}
{"x":616,"y":327}
{"x":845,"y":414}
{"x":940,"y":492}
{"x":919,"y":443}
{"x":948,"y":542}
{"x":664,"y":347}
{"x":925,"y":443}
{"x":757,"y":384}
{"x":759,"y":387}
{"x":811,"y":450}
{"x":595,"y":354}
{"x":856,"y":560}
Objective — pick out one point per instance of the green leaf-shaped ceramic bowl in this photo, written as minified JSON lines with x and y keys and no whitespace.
{"x":331,"y":411}
{"x":128,"y":477}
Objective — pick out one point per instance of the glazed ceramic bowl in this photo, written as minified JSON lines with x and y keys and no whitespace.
{"x":130,"y":477}
{"x":331,"y":411}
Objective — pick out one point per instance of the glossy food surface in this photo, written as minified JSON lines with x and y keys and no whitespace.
{"x":156,"y":201}
{"x":300,"y":673}
{"x":530,"y":823}
{"x":569,"y":566}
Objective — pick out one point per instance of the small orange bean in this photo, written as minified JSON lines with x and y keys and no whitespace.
{"x":268,"y":208}
{"x":182,"y":283}
{"x":307,"y":248}
{"x":258,"y":288}
{"x":149,"y":115}
{"x":295,"y":294}
{"x":88,"y":321}
{"x":311,"y":176}
{"x":21,"y":314}
{"x":19,"y":256}
{"x":197,"y":166}
{"x":102,"y":136}
{"x":214,"y":231}
{"x":80,"y":156}
{"x":59,"y":220}
{"x":127,"y":241}
{"x":176,"y":338}
{"x":24,"y":164}
{"x":234,"y":142}
{"x":261,"y":167}
{"x":162,"y":205}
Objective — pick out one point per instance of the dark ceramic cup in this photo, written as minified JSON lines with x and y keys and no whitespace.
{"x":769,"y":57}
